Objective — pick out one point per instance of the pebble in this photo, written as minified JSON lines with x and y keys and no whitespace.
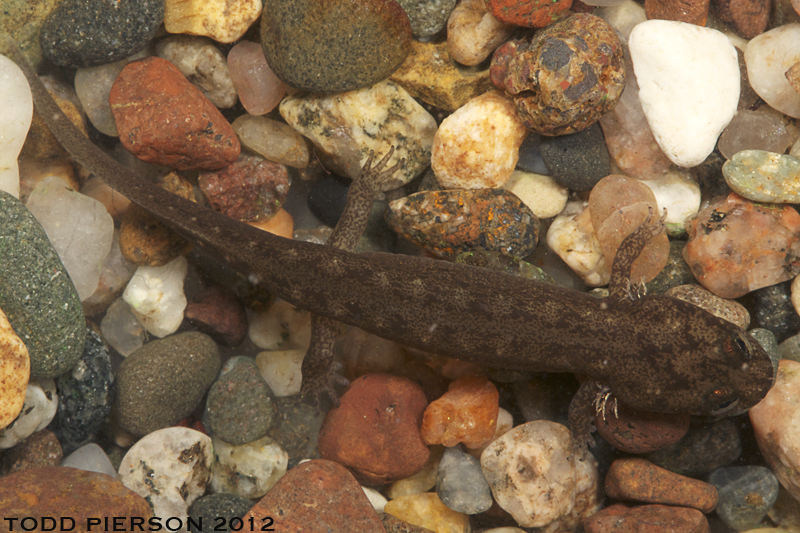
{"x":528,"y":13}
{"x":163,"y":119}
{"x":170,"y":468}
{"x":650,"y":518}
{"x":577,"y":161}
{"x":572,"y":237}
{"x":460,"y":484}
{"x":427,"y":18}
{"x":422,"y":481}
{"x":705,"y":447}
{"x":375,"y":429}
{"x":272,"y":140}
{"x":535,"y":476}
{"x":15,"y":123}
{"x":259,"y":89}
{"x":79,"y":228}
{"x":210,"y":509}
{"x":42,"y":492}
{"x":203,"y":64}
{"x":676,"y":272}
{"x":281,"y":327}
{"x":544,"y":196}
{"x":768,"y":56}
{"x":427,"y":511}
{"x":430,"y":74}
{"x":121,"y":329}
{"x":776,"y":432}
{"x":282,"y":370}
{"x":580,"y":74}
{"x":164,"y":381}
{"x":680,"y":195}
{"x":248,"y":470}
{"x":372,"y":119}
{"x":346,"y":506}
{"x":395,"y":525}
{"x":239,"y":406}
{"x":478,"y":145}
{"x":144,"y":240}
{"x":736,"y":246}
{"x":467,"y":413}
{"x":748,"y":19}
{"x":338,"y":49}
{"x":746,"y":494}
{"x":15,"y":371}
{"x":250,"y":189}
{"x":91,"y":458}
{"x":640,"y":480}
{"x":628,"y":136}
{"x":764,"y":176}
{"x":297,"y":428}
{"x":618,"y":205}
{"x":473,"y":33}
{"x":115,"y":273}
{"x":85,"y":34}
{"x":691,"y":11}
{"x":156,"y":298}
{"x":38,"y":450}
{"x":41,"y":402}
{"x":497,"y":221}
{"x":222,"y":20}
{"x":93,"y":85}
{"x":774,"y":310}
{"x":756,"y":130}
{"x":85,"y":395}
{"x":218,"y":313}
{"x":634,"y":431}
{"x":689,"y":88}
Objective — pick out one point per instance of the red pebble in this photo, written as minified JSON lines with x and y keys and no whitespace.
{"x":163,"y":119}
{"x":217,"y":312}
{"x":646,"y":519}
{"x":689,"y":11}
{"x":375,"y":430}
{"x":634,"y":431}
{"x":528,"y":13}
{"x":467,"y":413}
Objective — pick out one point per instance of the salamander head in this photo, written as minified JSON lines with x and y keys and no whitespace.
{"x":697,"y":364}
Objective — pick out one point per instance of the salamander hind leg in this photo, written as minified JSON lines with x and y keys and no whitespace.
{"x":620,"y":286}
{"x":581,"y":413}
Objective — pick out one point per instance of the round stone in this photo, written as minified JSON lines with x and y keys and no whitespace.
{"x":80,"y":33}
{"x":330,"y":46}
{"x":577,"y":161}
{"x":209,"y":509}
{"x":427,"y":17}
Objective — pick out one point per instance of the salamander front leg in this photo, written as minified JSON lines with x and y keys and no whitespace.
{"x":581,"y":414}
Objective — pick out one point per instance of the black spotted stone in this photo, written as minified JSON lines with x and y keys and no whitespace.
{"x":577,"y":161}
{"x":87,"y":33}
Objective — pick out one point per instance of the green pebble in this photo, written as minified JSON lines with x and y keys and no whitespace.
{"x":764,"y":176}
{"x":37,"y":294}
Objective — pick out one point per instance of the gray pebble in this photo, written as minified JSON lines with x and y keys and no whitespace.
{"x":746,"y":494}
{"x":577,"y":161}
{"x":427,"y":17}
{"x":460,"y":483}
{"x":215,"y":511}
{"x":706,"y":447}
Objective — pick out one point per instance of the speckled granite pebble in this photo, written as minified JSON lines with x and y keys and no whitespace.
{"x":427,"y":17}
{"x":211,"y":508}
{"x":577,"y":161}
{"x":498,"y":221}
{"x":36,"y":293}
{"x":249,"y":470}
{"x":746,"y":493}
{"x":331,"y":46}
{"x":80,"y":33}
{"x":164,"y":380}
{"x":85,"y":396}
{"x":239,"y":407}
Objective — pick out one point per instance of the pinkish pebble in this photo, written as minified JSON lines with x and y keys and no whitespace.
{"x":260,"y":91}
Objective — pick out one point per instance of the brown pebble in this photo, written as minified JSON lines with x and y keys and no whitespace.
{"x":747,"y":17}
{"x":218,"y":313}
{"x":165,"y":120}
{"x":793,"y":76}
{"x":689,"y":11}
{"x":316,"y":497}
{"x":58,"y":491}
{"x":634,"y":431}
{"x":40,"y":449}
{"x":640,"y":480}
{"x":375,"y":429}
{"x":646,"y":519}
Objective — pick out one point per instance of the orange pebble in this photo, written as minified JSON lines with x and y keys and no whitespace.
{"x":466,"y":413}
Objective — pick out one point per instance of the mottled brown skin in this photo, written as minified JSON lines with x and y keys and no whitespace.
{"x":654,"y":353}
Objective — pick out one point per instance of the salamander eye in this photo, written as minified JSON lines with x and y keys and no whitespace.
{"x":721,"y":401}
{"x":738,"y":345}
{"x":726,"y":406}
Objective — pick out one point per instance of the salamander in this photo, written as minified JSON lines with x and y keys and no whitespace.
{"x":653,"y":353}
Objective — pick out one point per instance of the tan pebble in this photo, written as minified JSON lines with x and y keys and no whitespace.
{"x":281,"y":224}
{"x":222,"y":20}
{"x":478,"y":146}
{"x":15,"y":371}
{"x":473,"y":33}
{"x":542,"y":194}
{"x":427,"y":510}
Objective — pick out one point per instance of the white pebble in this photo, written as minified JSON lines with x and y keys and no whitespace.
{"x":170,"y":468}
{"x":768,"y":56}
{"x":571,"y":236}
{"x":38,"y":410}
{"x":688,"y":85}
{"x":249,"y":470}
{"x":281,"y":370}
{"x":679,"y":194}
{"x":156,"y":296}
{"x":281,"y":327}
{"x":92,"y":458}
{"x":15,"y":120}
{"x":121,"y":329}
{"x":542,"y":194}
{"x":375,"y":498}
